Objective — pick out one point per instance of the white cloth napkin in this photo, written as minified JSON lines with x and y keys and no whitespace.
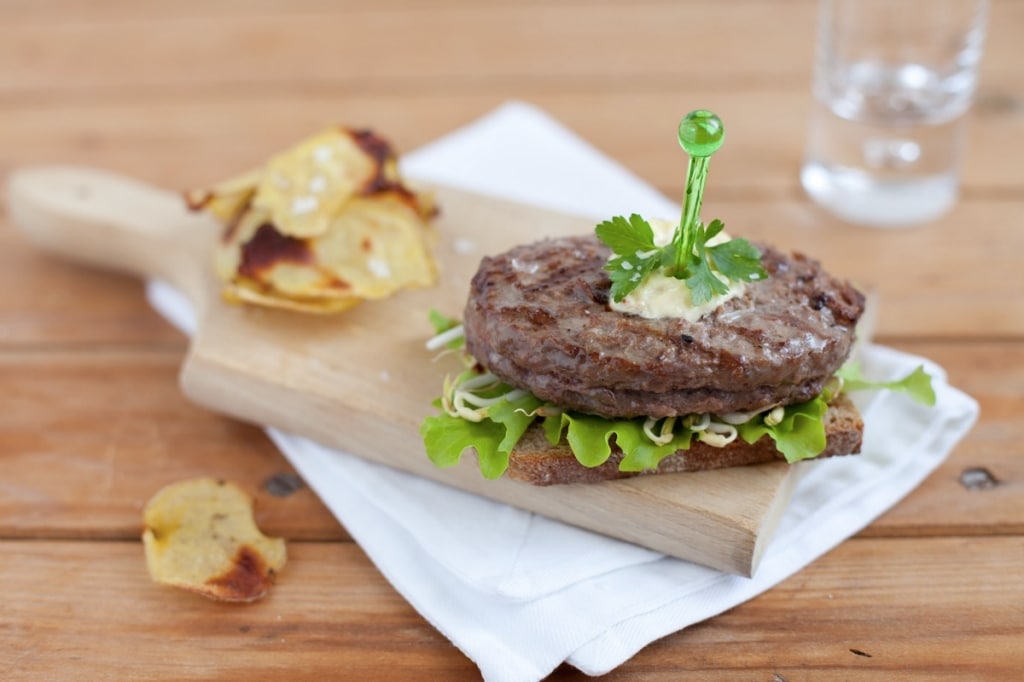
{"x":518,"y":593}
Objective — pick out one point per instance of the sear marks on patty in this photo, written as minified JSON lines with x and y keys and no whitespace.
{"x":538,"y":318}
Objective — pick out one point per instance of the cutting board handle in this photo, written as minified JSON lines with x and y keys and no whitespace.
{"x":113,"y":222}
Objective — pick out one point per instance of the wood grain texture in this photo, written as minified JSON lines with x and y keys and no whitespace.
{"x":911,"y":288}
{"x":184,"y":92}
{"x":331,"y":616}
{"x":362,"y":382}
{"x":192,"y":139}
{"x":904,"y":605}
{"x":87,"y":438}
{"x":464,"y":45}
{"x":993,"y":373}
{"x":47,"y":302}
{"x":116,"y":422}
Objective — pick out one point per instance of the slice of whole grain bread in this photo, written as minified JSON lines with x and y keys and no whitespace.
{"x":534,"y":460}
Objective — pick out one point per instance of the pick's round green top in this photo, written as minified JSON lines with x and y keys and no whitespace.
{"x":701,"y":133}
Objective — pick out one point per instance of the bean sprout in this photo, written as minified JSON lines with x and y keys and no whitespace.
{"x":462,"y":397}
{"x":697,"y":422}
{"x":472,"y":393}
{"x":665,"y":434}
{"x":737,"y":418}
{"x":445,"y":337}
{"x":718,"y":434}
{"x":774,"y":418}
{"x":833,"y":387}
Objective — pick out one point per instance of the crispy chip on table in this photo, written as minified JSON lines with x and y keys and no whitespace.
{"x":200,"y":536}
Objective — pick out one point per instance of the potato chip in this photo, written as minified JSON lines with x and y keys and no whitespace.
{"x":305,"y":187}
{"x":241,"y":292}
{"x":226,"y":200}
{"x":322,"y":227}
{"x":200,"y":536}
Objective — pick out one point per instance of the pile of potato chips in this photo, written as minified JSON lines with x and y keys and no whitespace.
{"x":322,"y":226}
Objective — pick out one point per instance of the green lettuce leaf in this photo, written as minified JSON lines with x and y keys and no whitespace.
{"x":917,"y":384}
{"x":441,"y":322}
{"x":515,"y":416}
{"x":590,"y":439}
{"x":446,"y":438}
{"x":641,"y":454}
{"x":800,"y":434}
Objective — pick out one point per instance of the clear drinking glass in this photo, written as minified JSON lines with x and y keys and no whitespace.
{"x":893,"y":80}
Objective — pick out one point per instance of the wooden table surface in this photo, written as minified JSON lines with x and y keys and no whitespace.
{"x":185,"y":92}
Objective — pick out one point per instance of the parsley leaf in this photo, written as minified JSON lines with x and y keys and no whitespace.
{"x":738,"y":260}
{"x":626,"y":237}
{"x":636,"y":255}
{"x":712,"y":230}
{"x":706,"y":268}
{"x":627,"y":272}
{"x":702,"y":282}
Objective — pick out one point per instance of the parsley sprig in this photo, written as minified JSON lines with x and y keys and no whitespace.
{"x":688,"y":256}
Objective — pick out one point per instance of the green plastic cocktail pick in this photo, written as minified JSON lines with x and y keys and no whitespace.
{"x":701,"y":134}
{"x":701,"y":255}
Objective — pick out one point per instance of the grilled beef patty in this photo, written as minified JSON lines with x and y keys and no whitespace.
{"x":538,"y":318}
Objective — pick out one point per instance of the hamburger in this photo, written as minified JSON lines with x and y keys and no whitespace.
{"x":649,"y":347}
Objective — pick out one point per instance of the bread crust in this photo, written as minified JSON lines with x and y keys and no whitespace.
{"x":534,"y":460}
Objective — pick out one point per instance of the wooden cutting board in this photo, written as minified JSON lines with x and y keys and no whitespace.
{"x":362,"y":381}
